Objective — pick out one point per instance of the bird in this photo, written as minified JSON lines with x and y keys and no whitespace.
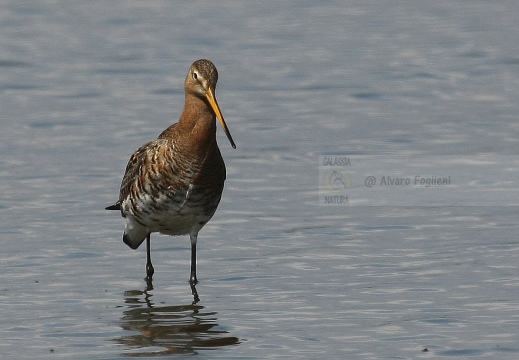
{"x":173,"y":184}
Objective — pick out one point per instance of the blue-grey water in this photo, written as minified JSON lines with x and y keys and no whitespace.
{"x":282,"y":275}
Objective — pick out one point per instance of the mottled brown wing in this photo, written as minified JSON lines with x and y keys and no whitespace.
{"x":156,"y":166}
{"x":134,"y":168}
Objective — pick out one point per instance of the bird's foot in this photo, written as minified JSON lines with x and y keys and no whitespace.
{"x":149,"y":283}
{"x":149,"y":270}
{"x":196,"y":299}
{"x":149,"y":275}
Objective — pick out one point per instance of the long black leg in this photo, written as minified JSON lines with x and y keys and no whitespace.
{"x":192,"y":277}
{"x":149,"y":267}
{"x":196,"y":299}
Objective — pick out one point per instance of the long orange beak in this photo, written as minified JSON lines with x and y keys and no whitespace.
{"x":214,"y":104}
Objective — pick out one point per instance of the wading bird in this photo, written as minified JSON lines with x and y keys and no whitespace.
{"x":172,"y":185}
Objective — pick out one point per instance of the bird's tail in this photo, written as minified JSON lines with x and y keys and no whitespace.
{"x":116,"y":206}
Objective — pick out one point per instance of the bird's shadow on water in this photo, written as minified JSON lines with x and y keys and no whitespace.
{"x":170,"y":329}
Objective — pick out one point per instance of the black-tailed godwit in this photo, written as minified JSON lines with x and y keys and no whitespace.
{"x":172,"y":185}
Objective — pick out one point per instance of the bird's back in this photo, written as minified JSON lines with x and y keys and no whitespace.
{"x":169,"y":189}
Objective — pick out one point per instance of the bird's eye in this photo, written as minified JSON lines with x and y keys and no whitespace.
{"x":195,"y":75}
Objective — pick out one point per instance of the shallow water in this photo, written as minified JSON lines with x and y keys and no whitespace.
{"x":83,"y":85}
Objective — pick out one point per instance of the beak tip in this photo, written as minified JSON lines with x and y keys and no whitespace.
{"x":218,"y":113}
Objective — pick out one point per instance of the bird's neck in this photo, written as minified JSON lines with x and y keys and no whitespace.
{"x":197,"y":116}
{"x":196,"y":128}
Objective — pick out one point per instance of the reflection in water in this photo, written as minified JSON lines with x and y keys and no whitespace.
{"x":166,"y":330}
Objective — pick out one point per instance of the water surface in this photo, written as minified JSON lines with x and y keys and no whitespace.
{"x":82,"y":85}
